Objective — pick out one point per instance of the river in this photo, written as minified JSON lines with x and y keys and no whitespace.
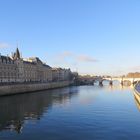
{"x":84,"y":113}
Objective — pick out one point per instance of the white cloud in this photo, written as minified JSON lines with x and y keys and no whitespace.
{"x":76,"y":57}
{"x":64,"y":55}
{"x":4,"y":45}
{"x":85,"y":58}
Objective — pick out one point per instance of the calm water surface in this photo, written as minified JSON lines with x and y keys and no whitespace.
{"x":84,"y":113}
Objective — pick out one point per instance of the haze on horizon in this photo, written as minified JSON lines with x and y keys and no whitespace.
{"x":89,"y":36}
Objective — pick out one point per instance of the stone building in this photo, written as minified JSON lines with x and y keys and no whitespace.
{"x":59,"y":74}
{"x":19,"y":70}
{"x":8,"y":70}
{"x":39,"y":71}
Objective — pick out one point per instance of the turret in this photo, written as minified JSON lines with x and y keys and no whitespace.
{"x":16,"y":55}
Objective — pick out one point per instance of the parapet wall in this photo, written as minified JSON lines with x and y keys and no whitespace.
{"x":23,"y":88}
{"x":137,"y":88}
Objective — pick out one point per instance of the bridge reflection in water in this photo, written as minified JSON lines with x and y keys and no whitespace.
{"x":115,"y":86}
{"x":16,"y":109}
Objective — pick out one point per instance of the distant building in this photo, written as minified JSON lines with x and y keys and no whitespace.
{"x":133,"y":75}
{"x":17,"y":69}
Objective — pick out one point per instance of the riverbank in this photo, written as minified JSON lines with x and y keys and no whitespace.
{"x":137,"y":88}
{"x":31,"y":87}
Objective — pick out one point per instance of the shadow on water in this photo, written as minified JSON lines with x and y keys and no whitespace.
{"x":14,"y":110}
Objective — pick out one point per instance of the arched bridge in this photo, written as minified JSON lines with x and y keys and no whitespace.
{"x":120,"y":79}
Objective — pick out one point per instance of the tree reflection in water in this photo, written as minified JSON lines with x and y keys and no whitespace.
{"x":14,"y":110}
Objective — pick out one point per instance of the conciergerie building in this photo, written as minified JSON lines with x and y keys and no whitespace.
{"x":16,"y":69}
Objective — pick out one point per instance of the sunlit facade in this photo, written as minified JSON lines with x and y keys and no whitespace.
{"x":16,"y":69}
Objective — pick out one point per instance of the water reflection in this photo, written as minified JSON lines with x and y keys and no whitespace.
{"x":14,"y":110}
{"x":117,"y":87}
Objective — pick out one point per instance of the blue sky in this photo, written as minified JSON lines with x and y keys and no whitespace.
{"x":89,"y":36}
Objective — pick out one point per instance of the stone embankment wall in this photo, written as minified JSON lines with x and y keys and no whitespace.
{"x":137,"y":92}
{"x":137,"y":88}
{"x":23,"y":88}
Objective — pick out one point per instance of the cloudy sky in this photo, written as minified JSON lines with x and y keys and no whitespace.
{"x":89,"y":36}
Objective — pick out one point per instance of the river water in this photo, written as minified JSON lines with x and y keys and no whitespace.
{"x":84,"y":113}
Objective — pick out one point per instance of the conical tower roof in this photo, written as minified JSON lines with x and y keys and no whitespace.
{"x":17,"y":54}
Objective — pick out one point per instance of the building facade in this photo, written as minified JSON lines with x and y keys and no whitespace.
{"x":15,"y":69}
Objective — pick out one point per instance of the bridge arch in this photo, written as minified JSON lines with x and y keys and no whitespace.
{"x":121,"y":80}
